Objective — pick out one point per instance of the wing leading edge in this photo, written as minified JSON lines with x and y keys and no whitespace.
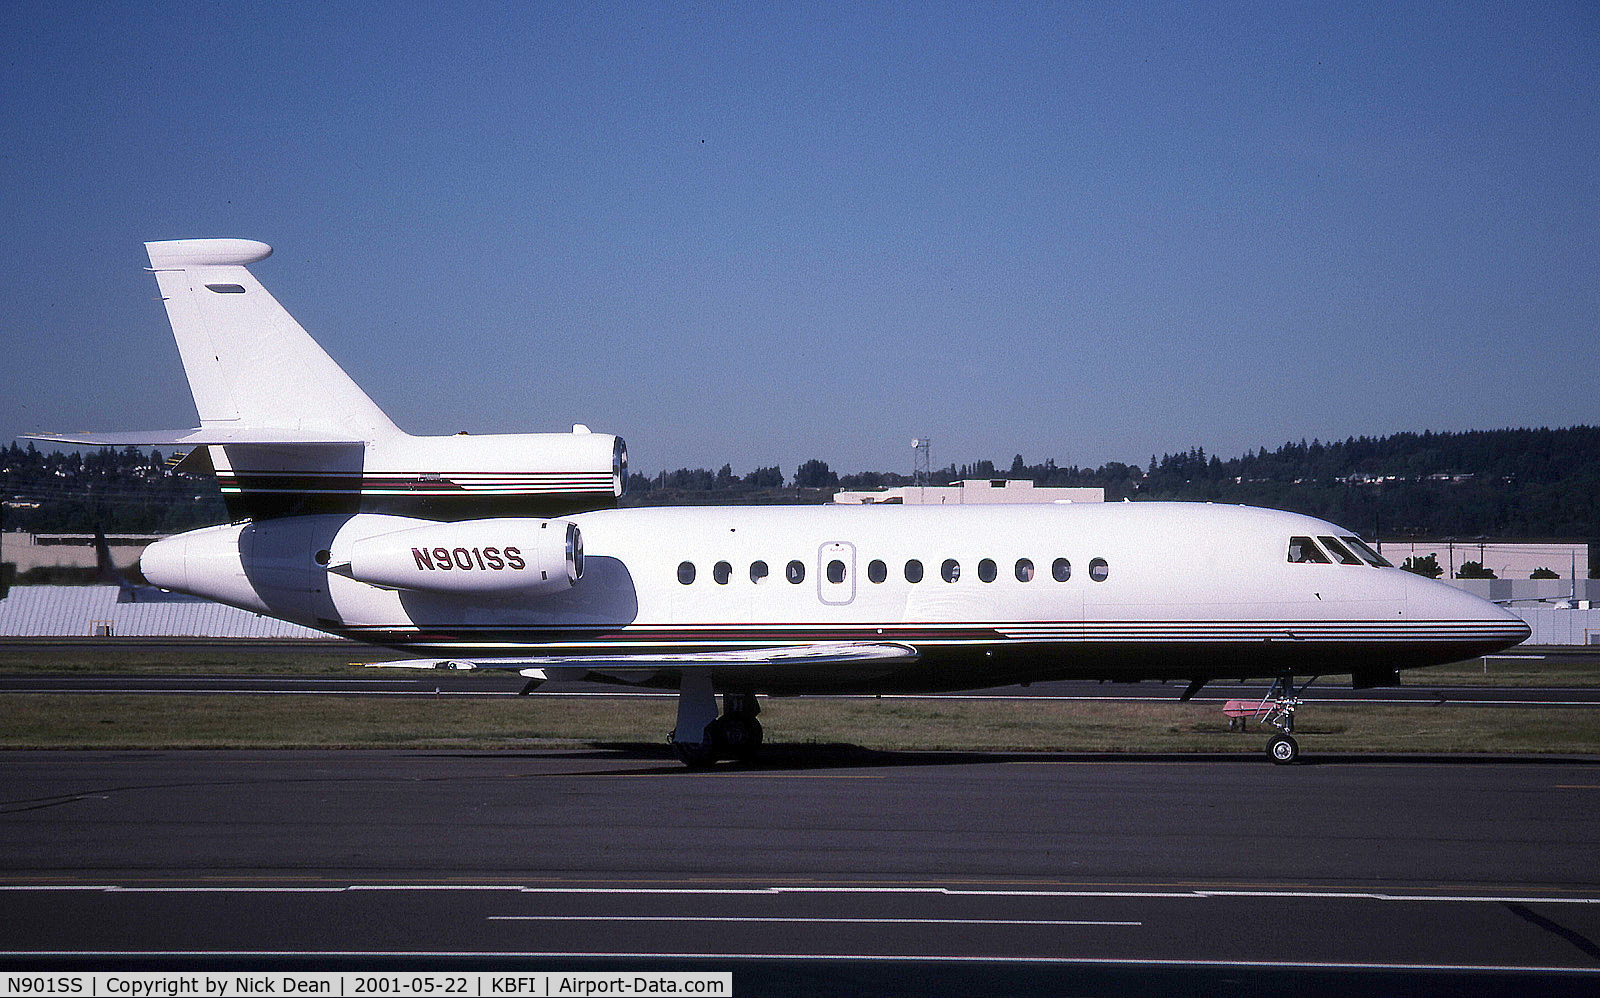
{"x":834,"y":653}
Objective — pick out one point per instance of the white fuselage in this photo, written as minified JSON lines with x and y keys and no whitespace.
{"x":1005,"y":594}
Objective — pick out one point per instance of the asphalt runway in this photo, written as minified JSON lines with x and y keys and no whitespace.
{"x":822,"y":870}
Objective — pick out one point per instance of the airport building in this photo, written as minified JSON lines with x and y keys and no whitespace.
{"x":984,"y":491}
{"x":1508,"y":560}
{"x":28,"y":551}
{"x":113,"y":612}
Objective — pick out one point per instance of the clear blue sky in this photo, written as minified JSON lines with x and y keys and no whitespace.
{"x":762,"y":233}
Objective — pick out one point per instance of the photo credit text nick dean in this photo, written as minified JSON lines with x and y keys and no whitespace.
{"x":196,"y":984}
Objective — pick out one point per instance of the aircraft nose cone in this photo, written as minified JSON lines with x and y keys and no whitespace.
{"x":1515,"y":629}
{"x":1490,"y":626}
{"x":165,"y":563}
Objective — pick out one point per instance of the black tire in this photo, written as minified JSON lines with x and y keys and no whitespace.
{"x":1283,"y":749}
{"x":695,"y":755}
{"x":741,"y":739}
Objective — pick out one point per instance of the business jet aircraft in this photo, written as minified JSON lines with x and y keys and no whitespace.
{"x":507,"y":551}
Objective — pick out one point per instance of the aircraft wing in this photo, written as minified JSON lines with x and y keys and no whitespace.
{"x":835,"y":653}
{"x":197,"y":437}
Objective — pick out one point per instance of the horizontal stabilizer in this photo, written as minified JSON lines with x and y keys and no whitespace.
{"x":199,"y":437}
{"x":835,"y":653}
{"x":178,"y":254}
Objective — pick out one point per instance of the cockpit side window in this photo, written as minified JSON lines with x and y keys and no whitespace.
{"x":1304,"y":550}
{"x":1364,"y":549}
{"x":1339,"y":550}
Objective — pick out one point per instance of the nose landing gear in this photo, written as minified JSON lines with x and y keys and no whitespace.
{"x":1277,"y":709}
{"x":1283,"y":749}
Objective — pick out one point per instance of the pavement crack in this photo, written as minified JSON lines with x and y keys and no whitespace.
{"x":39,"y":805}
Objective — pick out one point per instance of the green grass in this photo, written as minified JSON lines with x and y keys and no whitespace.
{"x":252,"y":721}
{"x":1565,"y":666}
{"x":262,"y":721}
{"x":256,"y":721}
{"x":269,"y":659}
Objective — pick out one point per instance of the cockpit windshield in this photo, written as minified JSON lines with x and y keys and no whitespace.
{"x":1345,"y":548}
{"x":1338,"y":550}
{"x":1372,"y":557}
{"x":1304,"y":550}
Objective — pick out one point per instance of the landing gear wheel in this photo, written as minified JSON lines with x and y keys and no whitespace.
{"x":695,"y":755}
{"x":737,"y":733}
{"x":740,"y":737}
{"x":1283,"y":749}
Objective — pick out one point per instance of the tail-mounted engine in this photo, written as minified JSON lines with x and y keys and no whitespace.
{"x":283,"y":566}
{"x":511,"y":556}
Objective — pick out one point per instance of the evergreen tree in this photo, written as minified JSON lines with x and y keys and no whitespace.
{"x":814,"y":474}
{"x":1426,"y":566}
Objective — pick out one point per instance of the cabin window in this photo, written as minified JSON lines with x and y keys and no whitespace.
{"x":721,"y":572}
{"x":1061,"y":570}
{"x":835,"y":571}
{"x":1364,"y":549}
{"x":950,"y":571}
{"x":758,"y":571}
{"x":795,"y":572}
{"x":1304,"y":551}
{"x":987,"y":570}
{"x":686,"y":572}
{"x":877,"y":571}
{"x":913,"y":570}
{"x":1099,"y":570}
{"x":1339,"y":550}
{"x":1024,"y":570}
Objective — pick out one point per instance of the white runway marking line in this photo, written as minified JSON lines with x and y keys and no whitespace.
{"x":290,"y":693}
{"x":1186,"y":895}
{"x":1195,"y":894}
{"x":809,"y":921}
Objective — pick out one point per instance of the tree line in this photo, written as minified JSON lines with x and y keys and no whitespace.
{"x":120,"y":491}
{"x":1513,"y":483}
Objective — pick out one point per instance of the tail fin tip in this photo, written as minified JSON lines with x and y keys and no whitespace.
{"x":177,"y":254}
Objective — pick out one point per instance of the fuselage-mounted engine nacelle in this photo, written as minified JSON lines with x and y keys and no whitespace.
{"x":508,"y":555}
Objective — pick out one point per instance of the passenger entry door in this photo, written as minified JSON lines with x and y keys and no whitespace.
{"x":836,"y":573}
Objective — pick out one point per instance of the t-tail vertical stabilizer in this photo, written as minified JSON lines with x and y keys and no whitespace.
{"x":250,"y":364}
{"x":288,"y":432}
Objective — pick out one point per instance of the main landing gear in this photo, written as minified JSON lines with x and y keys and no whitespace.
{"x":701,"y":737}
{"x":1277,"y":709}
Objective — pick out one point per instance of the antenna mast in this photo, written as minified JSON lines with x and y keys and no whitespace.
{"x":921,"y":458}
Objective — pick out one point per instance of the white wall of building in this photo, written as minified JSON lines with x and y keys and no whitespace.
{"x":28,"y":551}
{"x":1508,"y":559}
